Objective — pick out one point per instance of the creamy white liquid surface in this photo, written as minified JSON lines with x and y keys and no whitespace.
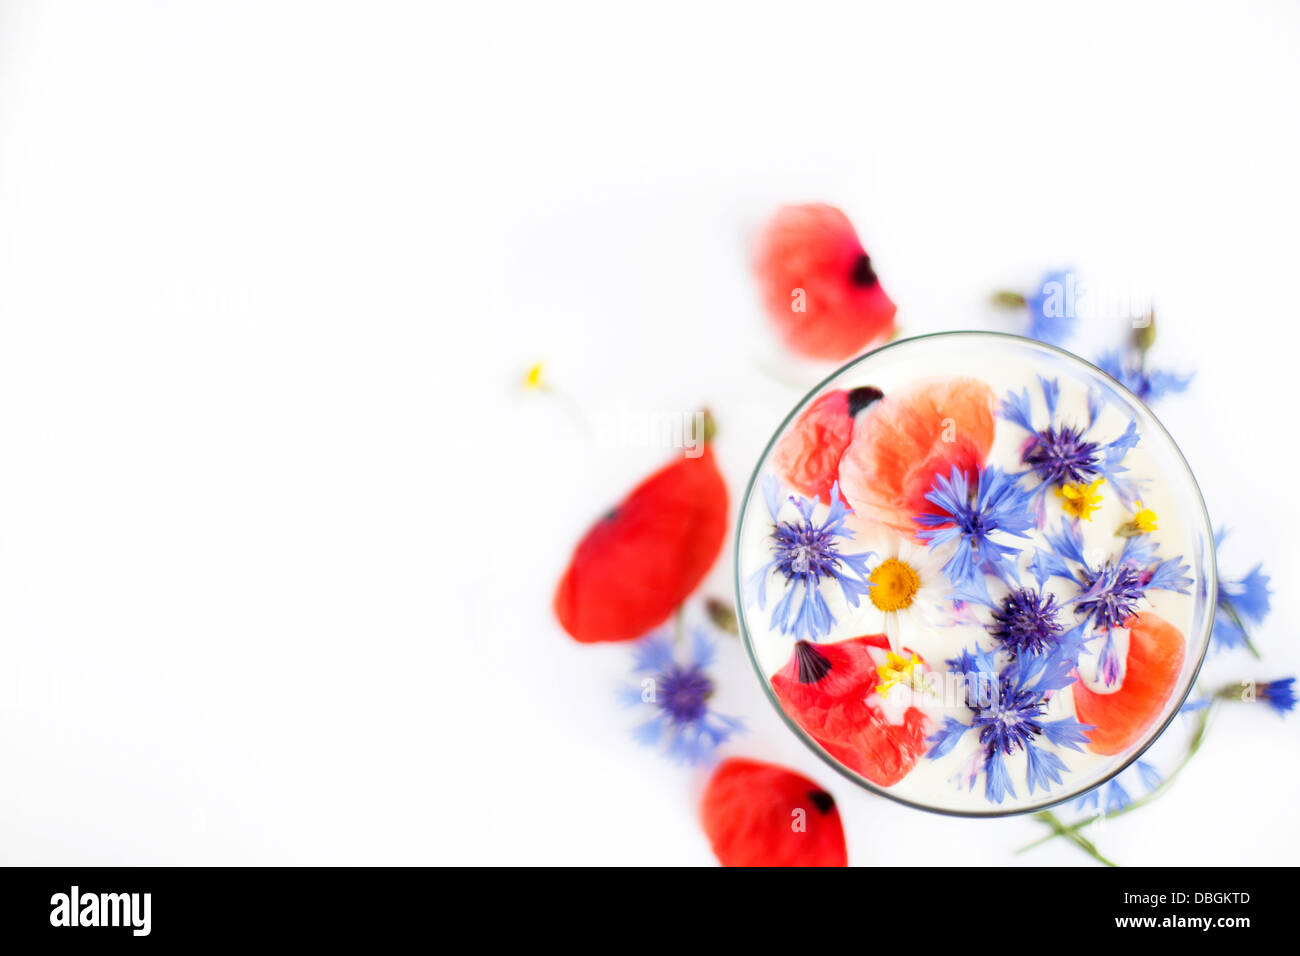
{"x":1007,"y":364}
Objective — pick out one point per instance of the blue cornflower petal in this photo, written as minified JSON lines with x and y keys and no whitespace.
{"x":946,"y":737}
{"x":974,"y":590}
{"x":651,"y":732}
{"x":772,"y":495}
{"x":1051,"y":312}
{"x":1147,"y":384}
{"x":1095,"y":405}
{"x":1055,"y":669}
{"x":1108,"y":662}
{"x":1051,"y":393}
{"x":1139,"y":551}
{"x":1043,"y":768}
{"x":1170,"y":575}
{"x":755,"y":587}
{"x":1067,"y":542}
{"x":1114,"y":452}
{"x":1117,"y":797}
{"x":1016,"y":408}
{"x":1067,"y":732}
{"x":1159,"y":383}
{"x":652,"y":653}
{"x":629,"y":696}
{"x":1278,"y":694}
{"x":1150,"y":777}
{"x":703,"y":650}
{"x":1249,"y":596}
{"x":979,"y":663}
{"x":1248,"y":599}
{"x":1226,"y":634}
{"x":1047,"y":564}
{"x":997,"y":782}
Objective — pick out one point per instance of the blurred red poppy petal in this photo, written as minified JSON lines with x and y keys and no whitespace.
{"x":644,"y":558}
{"x":759,"y":814}
{"x":818,"y":285}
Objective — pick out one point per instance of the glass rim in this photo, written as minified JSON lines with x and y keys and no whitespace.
{"x":1211,"y":592}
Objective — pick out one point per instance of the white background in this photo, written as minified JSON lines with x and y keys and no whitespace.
{"x":279,"y":530}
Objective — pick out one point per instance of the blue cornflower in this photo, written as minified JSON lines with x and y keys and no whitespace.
{"x":1061,"y":455}
{"x":1278,"y":694}
{"x":1147,"y":384}
{"x":1025,"y":622}
{"x":1241,"y":601}
{"x":679,"y":694}
{"x":1110,"y":594}
{"x":1008,"y":715}
{"x":807,"y":552}
{"x":970,"y":516}
{"x":1052,"y":312}
{"x":1066,"y":453}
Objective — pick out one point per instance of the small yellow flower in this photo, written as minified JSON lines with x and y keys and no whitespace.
{"x":533,"y":380}
{"x":1144,"y":519}
{"x":897,"y":670}
{"x":1143,"y":522}
{"x":1081,"y":500}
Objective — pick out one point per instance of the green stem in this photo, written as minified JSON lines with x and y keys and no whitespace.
{"x":1053,"y":821}
{"x":1071,"y":830}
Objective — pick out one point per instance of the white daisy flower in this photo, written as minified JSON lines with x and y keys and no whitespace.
{"x":908,"y":589}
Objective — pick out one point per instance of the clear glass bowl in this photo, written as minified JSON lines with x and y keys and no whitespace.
{"x":1005,"y":362}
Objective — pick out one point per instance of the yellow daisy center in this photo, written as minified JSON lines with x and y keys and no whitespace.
{"x":894,"y":585}
{"x":1081,"y":500}
{"x":898,"y":670}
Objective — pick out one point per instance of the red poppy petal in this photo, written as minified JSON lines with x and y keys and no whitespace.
{"x":817,"y":284}
{"x":639,"y":562}
{"x":759,"y":814}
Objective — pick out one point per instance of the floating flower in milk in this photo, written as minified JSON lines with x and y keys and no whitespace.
{"x":909,"y":591}
{"x":808,"y":553}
